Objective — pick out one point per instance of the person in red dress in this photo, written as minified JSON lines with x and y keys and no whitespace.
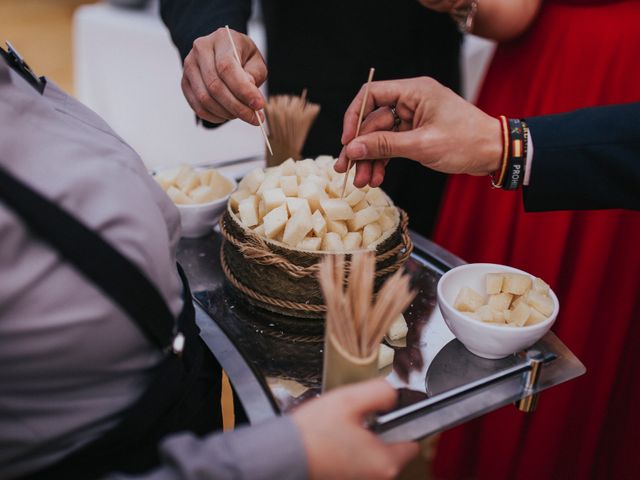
{"x":554,"y":56}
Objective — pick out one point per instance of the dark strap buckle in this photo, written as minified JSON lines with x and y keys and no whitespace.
{"x":19,"y":65}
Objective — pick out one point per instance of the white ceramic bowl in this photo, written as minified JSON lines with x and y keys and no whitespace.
{"x":198,"y":219}
{"x":485,"y":339}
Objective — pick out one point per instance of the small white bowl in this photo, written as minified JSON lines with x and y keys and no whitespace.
{"x":198,"y":219}
{"x":485,"y":339}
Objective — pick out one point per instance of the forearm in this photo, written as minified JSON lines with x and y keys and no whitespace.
{"x":191,"y":19}
{"x":587,"y":159}
{"x":270,"y":450}
{"x":503,"y":20}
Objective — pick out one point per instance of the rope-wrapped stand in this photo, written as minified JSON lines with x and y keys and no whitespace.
{"x":283,"y":280}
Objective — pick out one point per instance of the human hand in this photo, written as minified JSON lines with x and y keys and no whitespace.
{"x":437,"y":128}
{"x":216,"y":87}
{"x":339,"y":446}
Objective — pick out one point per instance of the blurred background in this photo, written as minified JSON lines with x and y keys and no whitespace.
{"x":118,"y":59}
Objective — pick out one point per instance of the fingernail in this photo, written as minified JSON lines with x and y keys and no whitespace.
{"x":255,"y":104}
{"x":357,"y":150}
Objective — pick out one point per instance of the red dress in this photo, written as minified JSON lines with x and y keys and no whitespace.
{"x":576,"y":54}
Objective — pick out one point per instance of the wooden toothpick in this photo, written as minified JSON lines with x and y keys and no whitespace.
{"x":364,"y":102}
{"x":235,"y":53}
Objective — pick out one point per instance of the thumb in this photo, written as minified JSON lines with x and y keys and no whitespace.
{"x":383,"y":145}
{"x":368,"y":397}
{"x":403,"y":452}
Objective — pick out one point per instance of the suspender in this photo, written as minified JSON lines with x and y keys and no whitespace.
{"x":98,"y":261}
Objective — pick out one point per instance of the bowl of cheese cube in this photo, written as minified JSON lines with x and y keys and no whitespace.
{"x":496,"y":310}
{"x":201,"y":195}
{"x":281,"y":221}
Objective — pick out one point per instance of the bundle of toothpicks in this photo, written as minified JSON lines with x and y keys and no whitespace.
{"x":356,"y":318}
{"x":289,"y":119}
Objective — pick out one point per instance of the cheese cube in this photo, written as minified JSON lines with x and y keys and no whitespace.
{"x":468,"y":300}
{"x":540,"y":302}
{"x":237,"y":196}
{"x":297,"y":228}
{"x":275,"y":221}
{"x":500,"y":301}
{"x":518,"y":316}
{"x":494,"y":283}
{"x":184,"y":172}
{"x":337,"y":226}
{"x":188,"y":182}
{"x":385,"y":356}
{"x":288,"y":167}
{"x":334,"y":189}
{"x":310,"y":243}
{"x":498,"y":317}
{"x":289,"y":185}
{"x":205,"y":176}
{"x":252,"y":180}
{"x":305,"y":167}
{"x":517,"y":300}
{"x":355,"y":197}
{"x":371,"y":234}
{"x":362,"y":218}
{"x":325,"y":161}
{"x":178,"y":197}
{"x":262,"y":210}
{"x":485,"y":313}
{"x":319,"y":224}
{"x":203,"y":194}
{"x":360,"y":206}
{"x":273,"y":198}
{"x":352,"y":241}
{"x":295,"y":204}
{"x":516,"y":283}
{"x":535,"y":317}
{"x":168,"y":177}
{"x":376,"y":197}
{"x":320,"y":180}
{"x":313,"y":193}
{"x":219,"y":184}
{"x":270,"y":181}
{"x":540,"y":286}
{"x":387,"y":219}
{"x":336,"y":209}
{"x":332,"y":242}
{"x":248,"y":211}
{"x":398,"y":328}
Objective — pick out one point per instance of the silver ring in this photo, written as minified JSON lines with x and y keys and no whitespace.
{"x":396,"y":118}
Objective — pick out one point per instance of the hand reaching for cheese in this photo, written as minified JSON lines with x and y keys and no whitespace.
{"x":337,"y":444}
{"x":438,"y":129}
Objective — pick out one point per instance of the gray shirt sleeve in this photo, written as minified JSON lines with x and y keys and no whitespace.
{"x":271,"y":450}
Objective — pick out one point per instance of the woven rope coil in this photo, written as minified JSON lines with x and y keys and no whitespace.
{"x":256,"y":249}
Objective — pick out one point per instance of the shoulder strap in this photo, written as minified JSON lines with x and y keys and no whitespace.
{"x":99,"y":262}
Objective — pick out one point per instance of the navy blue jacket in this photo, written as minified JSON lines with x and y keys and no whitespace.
{"x":584,"y":160}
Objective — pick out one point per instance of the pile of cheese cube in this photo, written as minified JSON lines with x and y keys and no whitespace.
{"x":299,"y":203}
{"x":513,"y":299}
{"x":186,"y":186}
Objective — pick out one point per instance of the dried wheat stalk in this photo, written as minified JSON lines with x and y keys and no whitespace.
{"x":354,"y":318}
{"x":289,"y":119}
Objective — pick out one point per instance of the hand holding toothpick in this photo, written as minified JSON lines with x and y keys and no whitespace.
{"x":235,"y":53}
{"x":364,"y":102}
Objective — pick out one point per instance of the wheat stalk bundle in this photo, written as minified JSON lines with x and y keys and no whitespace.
{"x":289,"y":119}
{"x":356,"y":320}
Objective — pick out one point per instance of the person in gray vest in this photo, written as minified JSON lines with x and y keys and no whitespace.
{"x":92,"y":381}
